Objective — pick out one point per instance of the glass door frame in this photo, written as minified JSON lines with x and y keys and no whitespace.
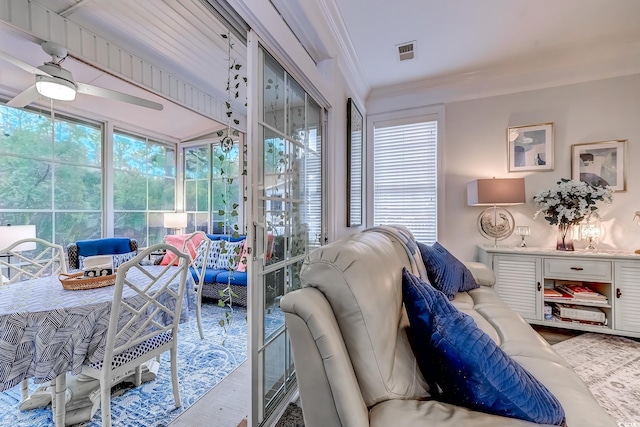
{"x":255,"y":234}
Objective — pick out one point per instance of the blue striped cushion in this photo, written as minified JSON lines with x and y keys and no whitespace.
{"x":467,"y":365}
{"x":446,"y":273}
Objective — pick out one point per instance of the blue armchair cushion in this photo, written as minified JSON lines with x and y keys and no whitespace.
{"x":237,"y":278}
{"x":467,"y":365}
{"x":446,"y":273}
{"x":106,"y":246}
{"x":210,"y":274}
{"x":226,"y":237}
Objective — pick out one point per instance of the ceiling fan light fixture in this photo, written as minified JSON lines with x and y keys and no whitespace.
{"x":57,"y":89}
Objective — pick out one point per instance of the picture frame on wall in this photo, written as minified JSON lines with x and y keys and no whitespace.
{"x":530,"y":147}
{"x":600,"y":163}
{"x":355,"y":148}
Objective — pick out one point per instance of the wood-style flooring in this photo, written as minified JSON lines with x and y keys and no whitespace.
{"x":225,"y":405}
{"x":555,"y":335}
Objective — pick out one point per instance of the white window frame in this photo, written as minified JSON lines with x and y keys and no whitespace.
{"x":413,"y":115}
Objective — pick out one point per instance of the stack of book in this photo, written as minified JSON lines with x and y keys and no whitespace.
{"x":552,"y":294}
{"x":578,"y":293}
{"x":580,"y":314}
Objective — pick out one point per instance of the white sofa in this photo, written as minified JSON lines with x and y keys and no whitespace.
{"x":354,"y":363}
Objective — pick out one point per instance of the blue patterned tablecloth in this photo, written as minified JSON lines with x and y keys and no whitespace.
{"x":46,"y":330}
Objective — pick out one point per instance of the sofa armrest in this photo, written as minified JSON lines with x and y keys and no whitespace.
{"x":481,"y":273}
{"x":329,"y":391}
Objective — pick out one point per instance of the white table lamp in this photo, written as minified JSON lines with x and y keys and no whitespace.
{"x":9,"y":234}
{"x":495,"y":222}
{"x":175,"y":220}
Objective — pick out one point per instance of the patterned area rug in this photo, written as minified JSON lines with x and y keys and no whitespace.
{"x":201,"y":365}
{"x":610,"y":366}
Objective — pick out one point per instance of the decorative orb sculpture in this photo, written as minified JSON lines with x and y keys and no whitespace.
{"x":496,"y":223}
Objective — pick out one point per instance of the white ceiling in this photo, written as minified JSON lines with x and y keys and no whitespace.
{"x":463,"y":37}
{"x":456,"y":40}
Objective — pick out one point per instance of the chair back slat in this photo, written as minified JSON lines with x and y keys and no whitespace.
{"x":146,"y":303}
{"x":47,"y":259}
{"x":190,"y":246}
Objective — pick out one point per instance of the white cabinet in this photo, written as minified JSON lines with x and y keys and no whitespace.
{"x":518,"y":283}
{"x":523,"y":274}
{"x":626,"y":301}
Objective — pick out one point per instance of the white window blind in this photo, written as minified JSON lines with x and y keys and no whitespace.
{"x":405,"y":177}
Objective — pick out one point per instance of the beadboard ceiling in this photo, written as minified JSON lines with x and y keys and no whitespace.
{"x":456,"y":42}
{"x":180,"y":37}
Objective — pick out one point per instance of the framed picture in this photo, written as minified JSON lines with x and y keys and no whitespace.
{"x":530,"y":147}
{"x":355,"y":143}
{"x":600,"y":163}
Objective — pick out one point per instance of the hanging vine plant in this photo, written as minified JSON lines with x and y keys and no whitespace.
{"x":227,"y":143}
{"x":233,"y":92}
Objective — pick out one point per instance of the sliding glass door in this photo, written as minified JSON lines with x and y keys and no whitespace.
{"x":286,"y":152}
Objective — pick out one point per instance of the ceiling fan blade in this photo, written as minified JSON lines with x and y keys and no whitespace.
{"x":24,"y":98}
{"x":88,"y":89}
{"x":19,"y":63}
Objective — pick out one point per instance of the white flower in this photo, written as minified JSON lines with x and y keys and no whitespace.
{"x":571,"y":202}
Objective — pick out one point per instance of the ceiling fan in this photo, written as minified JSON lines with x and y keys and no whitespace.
{"x":55,"y":82}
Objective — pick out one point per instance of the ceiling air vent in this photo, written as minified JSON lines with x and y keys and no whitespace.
{"x":406,"y":51}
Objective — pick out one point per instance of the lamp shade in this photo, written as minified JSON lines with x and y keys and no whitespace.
{"x":9,"y":234}
{"x":175,"y":220}
{"x":496,"y":191}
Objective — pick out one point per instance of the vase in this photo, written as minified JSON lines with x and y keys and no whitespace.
{"x":565,"y":242}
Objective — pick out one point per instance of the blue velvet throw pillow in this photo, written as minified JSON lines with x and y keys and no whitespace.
{"x":467,"y":365}
{"x":446,"y":273}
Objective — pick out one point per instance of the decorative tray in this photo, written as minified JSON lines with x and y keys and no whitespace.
{"x":77,"y":281}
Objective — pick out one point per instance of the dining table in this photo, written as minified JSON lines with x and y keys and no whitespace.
{"x":47,"y":332}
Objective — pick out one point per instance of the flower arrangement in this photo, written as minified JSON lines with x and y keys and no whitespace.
{"x":571,"y":202}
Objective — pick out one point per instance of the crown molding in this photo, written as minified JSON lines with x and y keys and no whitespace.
{"x":596,"y":63}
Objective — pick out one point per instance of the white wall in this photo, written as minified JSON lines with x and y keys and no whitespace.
{"x":336,"y":165}
{"x":476,"y":147}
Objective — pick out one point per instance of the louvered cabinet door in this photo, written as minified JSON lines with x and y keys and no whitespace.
{"x":626,"y":299}
{"x":518,"y":283}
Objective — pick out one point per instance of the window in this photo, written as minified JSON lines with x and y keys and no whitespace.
{"x":197,"y":171}
{"x":213,"y":188}
{"x":144,"y":187}
{"x":51,"y":174}
{"x":227,"y":189}
{"x":405,"y":175}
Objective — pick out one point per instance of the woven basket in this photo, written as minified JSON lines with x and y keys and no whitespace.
{"x":77,"y":281}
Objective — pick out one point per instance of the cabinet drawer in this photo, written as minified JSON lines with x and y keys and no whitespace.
{"x":580,"y":269}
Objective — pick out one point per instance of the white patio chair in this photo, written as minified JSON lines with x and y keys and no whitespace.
{"x":28,"y":259}
{"x":190,"y":247}
{"x":46,"y":259}
{"x":143,"y":322}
